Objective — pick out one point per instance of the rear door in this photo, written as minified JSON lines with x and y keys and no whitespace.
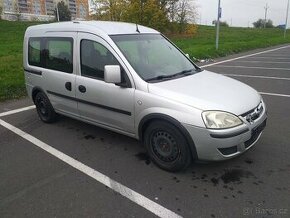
{"x":106,"y":104}
{"x":59,"y":73}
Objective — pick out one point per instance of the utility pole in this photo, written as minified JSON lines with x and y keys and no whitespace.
{"x":57,"y":14}
{"x":218,"y":25}
{"x":266,"y":11}
{"x":286,"y":22}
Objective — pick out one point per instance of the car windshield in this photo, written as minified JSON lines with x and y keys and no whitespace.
{"x":153,"y":57}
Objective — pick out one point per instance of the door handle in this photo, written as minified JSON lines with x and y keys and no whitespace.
{"x":82,"y":89}
{"x":68,"y":86}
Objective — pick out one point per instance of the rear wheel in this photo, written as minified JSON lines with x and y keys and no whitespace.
{"x":44,"y":108}
{"x":166,"y":146}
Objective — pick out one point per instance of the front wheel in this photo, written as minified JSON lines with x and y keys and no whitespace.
{"x":44,"y":108}
{"x":166,"y":146}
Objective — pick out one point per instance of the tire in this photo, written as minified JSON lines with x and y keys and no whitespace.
{"x":166,"y":146}
{"x":44,"y":108}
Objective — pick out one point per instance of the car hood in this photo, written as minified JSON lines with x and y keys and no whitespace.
{"x":208,"y":91}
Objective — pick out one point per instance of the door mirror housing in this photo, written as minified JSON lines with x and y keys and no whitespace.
{"x":112,"y":74}
{"x":187,"y":55}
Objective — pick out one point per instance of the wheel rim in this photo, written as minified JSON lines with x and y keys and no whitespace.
{"x":164,"y":146}
{"x":41,"y":107}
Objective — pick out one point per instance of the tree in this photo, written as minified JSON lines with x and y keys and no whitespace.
{"x":261,"y":23}
{"x":108,"y":9}
{"x":185,"y":14}
{"x":63,"y":12}
{"x":1,"y":10}
{"x":16,"y":9}
{"x":153,"y":15}
{"x":165,"y":15}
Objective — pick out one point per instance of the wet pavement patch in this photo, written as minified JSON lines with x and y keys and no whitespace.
{"x":87,"y":137}
{"x":176,"y":179}
{"x":248,"y":161}
{"x":235,"y":175}
{"x":144,"y":157}
{"x":232,"y":176}
{"x":214,"y":181}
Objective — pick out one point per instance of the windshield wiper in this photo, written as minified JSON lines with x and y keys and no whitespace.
{"x":163,"y":77}
{"x":184,"y":72}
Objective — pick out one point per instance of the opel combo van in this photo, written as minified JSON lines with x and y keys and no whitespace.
{"x":132,"y":80}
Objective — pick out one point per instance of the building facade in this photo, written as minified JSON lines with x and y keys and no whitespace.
{"x":42,"y":9}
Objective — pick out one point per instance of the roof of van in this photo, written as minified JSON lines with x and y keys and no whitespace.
{"x":108,"y":27}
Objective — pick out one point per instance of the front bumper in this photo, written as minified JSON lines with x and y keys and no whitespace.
{"x":224,"y":144}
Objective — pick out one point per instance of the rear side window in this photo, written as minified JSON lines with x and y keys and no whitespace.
{"x":34,"y":52}
{"x":55,"y":53}
{"x":59,"y":54}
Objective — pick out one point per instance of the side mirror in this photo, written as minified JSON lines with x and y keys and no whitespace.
{"x":112,"y":74}
{"x":187,"y":55}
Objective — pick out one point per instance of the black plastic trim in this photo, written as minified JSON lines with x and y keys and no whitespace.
{"x":229,"y":150}
{"x":91,"y":103}
{"x":174,"y":122}
{"x":37,"y":72}
{"x":228,"y":135}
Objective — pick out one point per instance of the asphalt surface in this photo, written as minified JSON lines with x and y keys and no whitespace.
{"x":34,"y":183}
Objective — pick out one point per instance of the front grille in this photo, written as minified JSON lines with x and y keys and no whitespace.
{"x":255,"y":134}
{"x":254,"y":114}
{"x":228,"y":151}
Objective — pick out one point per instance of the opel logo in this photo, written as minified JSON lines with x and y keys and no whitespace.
{"x":255,"y":114}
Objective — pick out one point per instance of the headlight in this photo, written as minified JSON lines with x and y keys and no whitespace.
{"x":220,"y":120}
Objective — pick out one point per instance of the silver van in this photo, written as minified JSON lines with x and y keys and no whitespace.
{"x":132,"y":80}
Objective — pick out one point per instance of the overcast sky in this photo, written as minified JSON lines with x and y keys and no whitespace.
{"x":242,"y":12}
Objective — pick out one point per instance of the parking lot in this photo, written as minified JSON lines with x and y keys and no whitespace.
{"x":73,"y":169}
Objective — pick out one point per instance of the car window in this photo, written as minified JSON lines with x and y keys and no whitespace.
{"x":34,"y":54}
{"x":153,"y":56}
{"x":59,"y":54}
{"x":94,"y":57}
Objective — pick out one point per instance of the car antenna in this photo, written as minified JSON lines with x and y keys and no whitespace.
{"x":137,"y":29}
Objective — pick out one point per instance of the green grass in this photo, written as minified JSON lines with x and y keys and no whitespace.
{"x":232,"y":40}
{"x":11,"y":68}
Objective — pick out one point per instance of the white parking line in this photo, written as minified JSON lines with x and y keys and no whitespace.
{"x":275,"y":94}
{"x":17,"y":111}
{"x":246,"y":67}
{"x":269,"y":62}
{"x":273,"y":58}
{"x":245,"y":56}
{"x":105,"y":180}
{"x":277,"y":56}
{"x":262,"y":77}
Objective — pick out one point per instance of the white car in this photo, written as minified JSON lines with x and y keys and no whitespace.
{"x":131,"y":79}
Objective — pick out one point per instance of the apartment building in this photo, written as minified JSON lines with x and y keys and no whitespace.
{"x":41,"y":9}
